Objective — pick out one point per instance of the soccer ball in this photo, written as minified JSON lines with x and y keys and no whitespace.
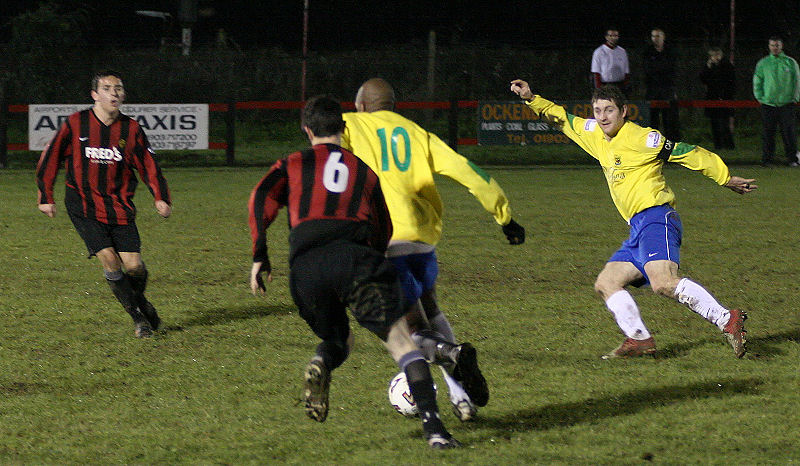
{"x":400,"y":396}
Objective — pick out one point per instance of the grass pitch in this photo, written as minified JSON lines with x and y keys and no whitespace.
{"x":221,"y":383}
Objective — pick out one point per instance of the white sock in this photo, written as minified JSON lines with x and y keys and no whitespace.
{"x":442,"y":325}
{"x":455,"y":389}
{"x":626,"y":313}
{"x":696,"y":298}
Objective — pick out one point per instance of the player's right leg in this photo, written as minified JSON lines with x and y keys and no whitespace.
{"x":610,"y":285}
{"x":314,"y":280}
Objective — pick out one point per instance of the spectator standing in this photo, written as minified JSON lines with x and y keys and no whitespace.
{"x":659,"y":77}
{"x":776,"y":85}
{"x":610,"y":63}
{"x":719,"y":77}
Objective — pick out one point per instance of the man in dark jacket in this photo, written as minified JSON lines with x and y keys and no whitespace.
{"x":659,"y":77}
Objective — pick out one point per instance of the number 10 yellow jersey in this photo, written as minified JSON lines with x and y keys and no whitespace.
{"x":405,"y":157}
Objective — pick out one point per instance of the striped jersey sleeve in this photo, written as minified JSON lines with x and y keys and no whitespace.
{"x":148,"y":168}
{"x":266,"y":199}
{"x":50,"y":161}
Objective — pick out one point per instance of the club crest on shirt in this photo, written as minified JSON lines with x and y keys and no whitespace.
{"x":653,"y":138}
{"x":617,"y":160}
{"x":122,"y":143}
{"x":590,"y":125}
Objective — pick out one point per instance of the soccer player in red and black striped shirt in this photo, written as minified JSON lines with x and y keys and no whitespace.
{"x":339,"y":230}
{"x":100,"y":148}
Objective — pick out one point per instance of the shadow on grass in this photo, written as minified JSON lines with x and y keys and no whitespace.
{"x":593,"y":410}
{"x":217,"y":316}
{"x":677,"y":350}
{"x":24,"y":388}
{"x":767,"y":346}
{"x":757,"y":346}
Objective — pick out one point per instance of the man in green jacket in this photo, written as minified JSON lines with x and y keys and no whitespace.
{"x":776,"y":85}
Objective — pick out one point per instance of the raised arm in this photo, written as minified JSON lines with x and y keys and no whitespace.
{"x":522,"y":89}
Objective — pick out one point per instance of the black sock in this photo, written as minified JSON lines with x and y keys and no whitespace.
{"x":420,"y":383}
{"x":124,"y":293}
{"x":138,"y":282}
{"x":333,"y":353}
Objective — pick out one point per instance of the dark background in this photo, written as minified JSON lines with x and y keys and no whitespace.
{"x":360,"y":24}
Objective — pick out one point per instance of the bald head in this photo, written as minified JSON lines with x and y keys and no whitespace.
{"x":375,"y":94}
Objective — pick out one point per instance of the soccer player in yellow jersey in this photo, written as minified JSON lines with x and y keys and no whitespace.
{"x":632,"y":158}
{"x":405,"y":157}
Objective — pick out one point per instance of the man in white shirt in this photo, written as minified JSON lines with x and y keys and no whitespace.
{"x":610,"y":63}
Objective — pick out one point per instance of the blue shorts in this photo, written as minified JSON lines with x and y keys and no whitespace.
{"x":417,"y":273}
{"x":655,"y":235}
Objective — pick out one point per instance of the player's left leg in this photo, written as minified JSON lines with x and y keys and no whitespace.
{"x":123,"y":290}
{"x":662,"y":241}
{"x":463,"y":407}
{"x":137,"y":274}
{"x":128,"y":245}
{"x":329,"y":355}
{"x":465,"y":382}
{"x":665,"y":281}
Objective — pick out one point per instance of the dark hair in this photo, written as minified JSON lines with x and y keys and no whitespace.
{"x":776,"y":37}
{"x":715,"y":48}
{"x":609,"y":92}
{"x":322,"y":114}
{"x":102,"y":74}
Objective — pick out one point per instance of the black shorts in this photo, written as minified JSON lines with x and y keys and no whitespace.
{"x":325,"y":281}
{"x":98,"y":235}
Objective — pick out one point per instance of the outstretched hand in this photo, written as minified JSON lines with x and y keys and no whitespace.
{"x":257,"y":284}
{"x":522,"y":89}
{"x":741,"y":185}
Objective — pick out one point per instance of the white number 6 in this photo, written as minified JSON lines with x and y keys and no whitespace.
{"x":336,"y":173}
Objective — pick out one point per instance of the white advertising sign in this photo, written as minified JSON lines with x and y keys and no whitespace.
{"x":167,"y":126}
